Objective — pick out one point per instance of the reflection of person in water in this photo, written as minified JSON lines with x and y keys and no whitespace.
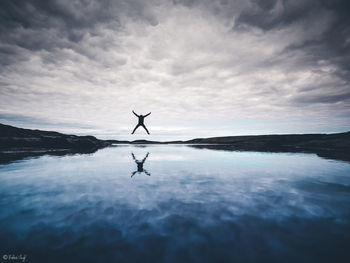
{"x":140,"y":165}
{"x":140,"y":123}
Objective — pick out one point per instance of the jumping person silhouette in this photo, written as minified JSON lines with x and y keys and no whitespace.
{"x":141,"y":118}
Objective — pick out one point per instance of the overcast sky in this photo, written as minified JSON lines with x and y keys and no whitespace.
{"x":203,"y":68}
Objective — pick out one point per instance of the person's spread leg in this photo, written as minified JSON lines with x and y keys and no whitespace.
{"x":145,"y":128}
{"x":135,"y":129}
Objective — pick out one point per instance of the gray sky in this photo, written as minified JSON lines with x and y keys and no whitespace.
{"x":203,"y":68}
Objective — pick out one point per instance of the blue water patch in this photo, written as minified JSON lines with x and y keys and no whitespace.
{"x":175,"y":204}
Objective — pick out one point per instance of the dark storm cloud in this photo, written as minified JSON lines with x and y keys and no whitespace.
{"x":53,"y":24}
{"x":333,"y":45}
{"x":261,"y":13}
{"x":21,"y":22}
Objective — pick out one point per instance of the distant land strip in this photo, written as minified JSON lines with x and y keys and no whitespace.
{"x":18,"y":143}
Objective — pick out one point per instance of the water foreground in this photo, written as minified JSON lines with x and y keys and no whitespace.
{"x":176,"y":204}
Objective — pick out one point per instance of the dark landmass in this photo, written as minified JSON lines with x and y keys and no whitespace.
{"x":333,"y":146}
{"x":18,"y":143}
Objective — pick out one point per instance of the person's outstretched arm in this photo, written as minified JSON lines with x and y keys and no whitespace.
{"x":133,"y":156}
{"x":147,"y":114}
{"x":135,"y":114}
{"x":144,"y":159}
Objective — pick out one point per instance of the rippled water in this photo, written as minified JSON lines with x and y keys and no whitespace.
{"x":180,"y":205}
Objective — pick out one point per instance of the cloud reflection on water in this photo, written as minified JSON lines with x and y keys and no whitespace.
{"x":209,"y":207}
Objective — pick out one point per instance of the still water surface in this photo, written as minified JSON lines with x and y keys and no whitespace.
{"x":176,"y":204}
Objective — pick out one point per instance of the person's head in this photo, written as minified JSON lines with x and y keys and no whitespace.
{"x":141,"y":115}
